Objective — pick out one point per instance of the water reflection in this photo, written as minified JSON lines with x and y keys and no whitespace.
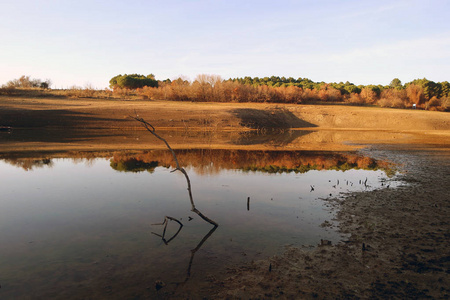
{"x":179,"y":168}
{"x":82,"y":229}
{"x":214,"y":160}
{"x":29,"y":164}
{"x":133,"y":165}
{"x":166,"y":221}
{"x":274,"y":138}
{"x":211,"y":161}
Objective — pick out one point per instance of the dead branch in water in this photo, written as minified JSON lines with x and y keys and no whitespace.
{"x":152,"y":130}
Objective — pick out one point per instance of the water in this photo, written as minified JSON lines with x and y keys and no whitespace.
{"x":76,"y":228}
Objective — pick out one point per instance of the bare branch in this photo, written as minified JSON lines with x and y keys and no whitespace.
{"x":149,"y":127}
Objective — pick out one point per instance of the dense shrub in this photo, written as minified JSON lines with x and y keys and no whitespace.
{"x":133,"y":81}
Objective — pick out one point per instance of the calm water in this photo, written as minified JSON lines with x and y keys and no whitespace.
{"x":78,"y":228}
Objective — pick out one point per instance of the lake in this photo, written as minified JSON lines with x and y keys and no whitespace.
{"x":86,"y":226}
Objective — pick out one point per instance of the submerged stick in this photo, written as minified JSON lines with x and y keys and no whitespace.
{"x":165,"y":223}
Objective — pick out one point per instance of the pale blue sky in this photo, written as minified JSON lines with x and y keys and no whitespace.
{"x":88,"y":42}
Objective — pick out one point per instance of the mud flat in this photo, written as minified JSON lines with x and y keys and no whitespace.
{"x":397,"y":245}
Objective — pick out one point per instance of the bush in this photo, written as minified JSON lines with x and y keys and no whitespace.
{"x":355,"y":99}
{"x":434,"y":102}
{"x":7,"y":90}
{"x":391,"y":102}
{"x":27,"y":82}
{"x":445,"y":103}
{"x":133,"y":81}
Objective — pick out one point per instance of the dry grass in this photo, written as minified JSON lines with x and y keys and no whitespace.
{"x":234,"y":92}
{"x":75,"y":92}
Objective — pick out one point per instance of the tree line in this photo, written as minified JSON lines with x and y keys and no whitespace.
{"x":421,"y":93}
{"x":27,"y":82}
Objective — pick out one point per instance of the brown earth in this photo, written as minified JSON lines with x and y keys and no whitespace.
{"x":399,"y":239}
{"x":114,"y":114}
{"x":44,"y":124}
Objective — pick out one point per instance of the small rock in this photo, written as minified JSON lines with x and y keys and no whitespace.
{"x":159,"y":284}
{"x":325,"y":243}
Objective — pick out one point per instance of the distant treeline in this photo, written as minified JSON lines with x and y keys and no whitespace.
{"x":421,"y":92}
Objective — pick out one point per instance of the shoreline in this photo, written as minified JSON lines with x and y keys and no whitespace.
{"x":398,"y":244}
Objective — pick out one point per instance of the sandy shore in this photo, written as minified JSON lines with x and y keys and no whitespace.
{"x":398,"y":245}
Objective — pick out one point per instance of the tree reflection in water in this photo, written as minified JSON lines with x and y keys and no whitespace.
{"x":213,"y":161}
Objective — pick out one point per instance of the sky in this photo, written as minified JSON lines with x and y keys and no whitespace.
{"x":86,"y":43}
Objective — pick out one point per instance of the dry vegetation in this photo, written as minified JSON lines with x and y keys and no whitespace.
{"x":233,"y":91}
{"x":421,"y":93}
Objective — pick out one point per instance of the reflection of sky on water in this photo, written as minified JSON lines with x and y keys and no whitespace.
{"x":74,"y":214}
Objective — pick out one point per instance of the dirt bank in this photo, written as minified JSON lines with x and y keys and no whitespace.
{"x":398,"y":244}
{"x":82,"y":125}
{"x":109,"y":114}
